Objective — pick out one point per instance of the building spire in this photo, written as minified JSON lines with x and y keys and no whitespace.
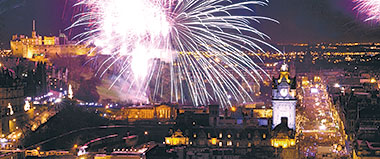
{"x":34,"y":33}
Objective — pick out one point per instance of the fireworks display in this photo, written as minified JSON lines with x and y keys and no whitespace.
{"x":200,"y":46}
{"x":369,"y":8}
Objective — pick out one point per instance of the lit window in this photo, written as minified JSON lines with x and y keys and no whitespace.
{"x":220,"y":135}
{"x":237,"y":144}
{"x":195,"y":135}
{"x":220,"y":143}
{"x":213,"y":141}
{"x":249,"y":144}
{"x":264,"y":136}
{"x":249,"y":135}
{"x":229,"y":136}
{"x":229,"y":143}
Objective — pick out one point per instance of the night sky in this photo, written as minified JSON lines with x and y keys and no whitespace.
{"x":300,"y":20}
{"x":317,"y":21}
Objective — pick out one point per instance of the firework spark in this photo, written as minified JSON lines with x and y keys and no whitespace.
{"x":368,"y":8}
{"x":201,"y":44}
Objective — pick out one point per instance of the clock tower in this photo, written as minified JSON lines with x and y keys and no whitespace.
{"x":284,"y":98}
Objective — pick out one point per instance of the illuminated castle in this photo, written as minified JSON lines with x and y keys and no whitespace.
{"x":40,"y":48}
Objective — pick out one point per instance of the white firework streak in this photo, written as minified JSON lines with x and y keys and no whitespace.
{"x":204,"y":44}
{"x":369,"y":8}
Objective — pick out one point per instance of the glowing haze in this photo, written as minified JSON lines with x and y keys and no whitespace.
{"x":202,"y":43}
{"x":368,"y":8}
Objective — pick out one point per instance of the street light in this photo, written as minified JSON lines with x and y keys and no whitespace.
{"x":373,"y":80}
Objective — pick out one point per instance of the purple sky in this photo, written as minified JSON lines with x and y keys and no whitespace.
{"x":317,"y":21}
{"x":300,"y":20}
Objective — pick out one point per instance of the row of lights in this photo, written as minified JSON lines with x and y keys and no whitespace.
{"x":124,"y":150}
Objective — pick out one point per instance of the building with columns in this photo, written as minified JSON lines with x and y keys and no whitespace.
{"x":149,"y":112}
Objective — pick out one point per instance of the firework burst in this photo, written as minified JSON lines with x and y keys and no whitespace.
{"x":194,"y":47}
{"x":369,"y":8}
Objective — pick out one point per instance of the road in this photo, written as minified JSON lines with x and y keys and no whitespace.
{"x":319,"y":128}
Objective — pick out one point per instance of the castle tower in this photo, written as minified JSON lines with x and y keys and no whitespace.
{"x":34,"y":33}
{"x":284,"y":98}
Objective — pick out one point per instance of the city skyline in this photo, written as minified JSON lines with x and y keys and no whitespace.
{"x":184,"y":79}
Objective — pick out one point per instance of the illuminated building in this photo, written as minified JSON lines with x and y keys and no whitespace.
{"x":39,"y":49}
{"x":236,"y":131}
{"x":177,"y":139}
{"x":283,"y":136}
{"x":258,"y":110}
{"x":284,"y":98}
{"x":57,"y":78}
{"x":263,"y":113}
{"x":149,"y":112}
{"x":228,"y":137}
{"x":284,"y":143}
{"x":183,"y":109}
{"x":11,"y":99}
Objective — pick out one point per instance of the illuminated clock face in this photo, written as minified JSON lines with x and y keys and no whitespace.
{"x":283,"y":92}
